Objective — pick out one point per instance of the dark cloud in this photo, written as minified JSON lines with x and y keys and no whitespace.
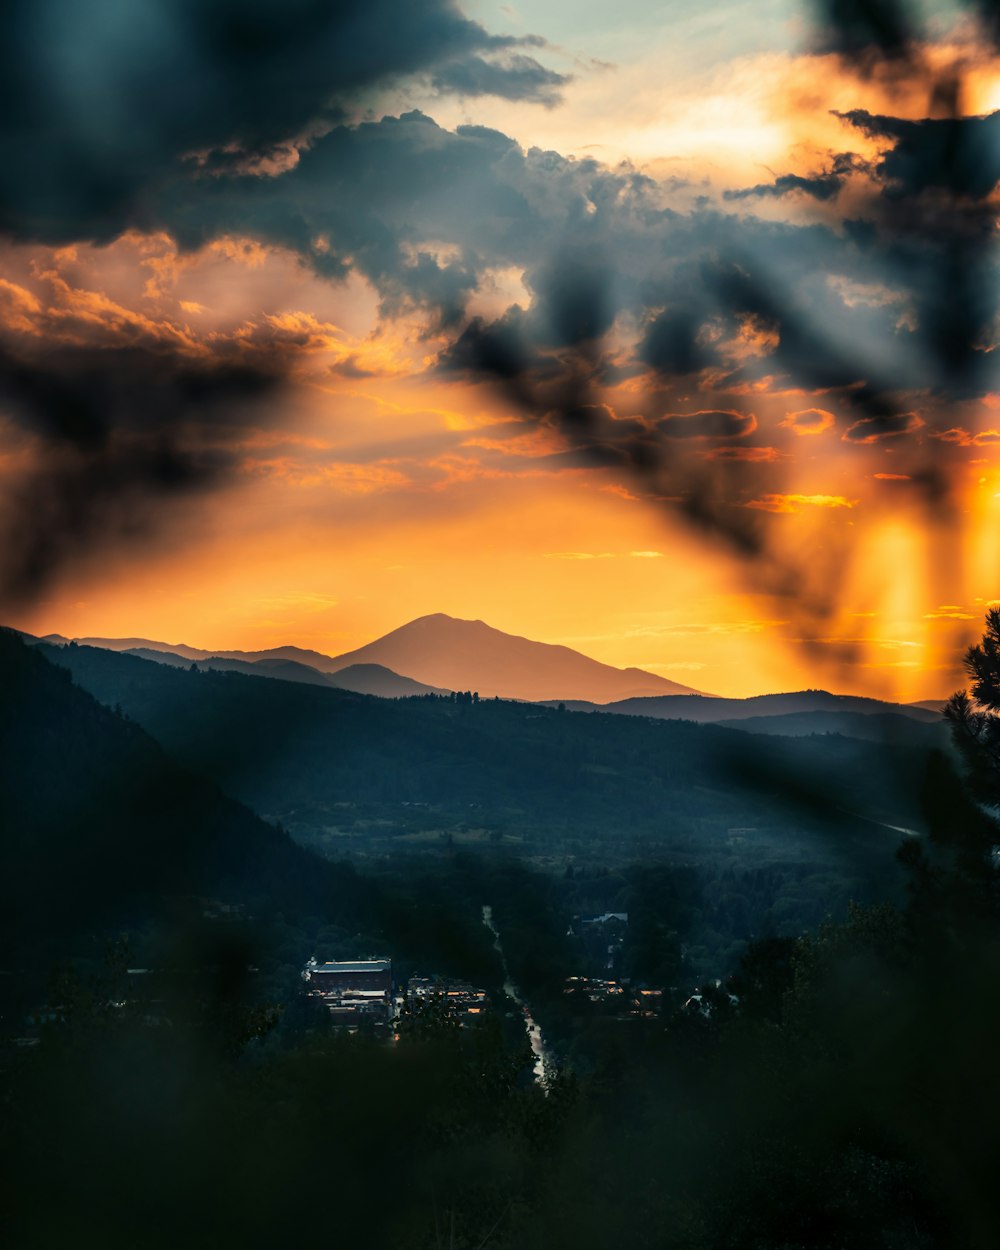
{"x":877,"y":429}
{"x":715,"y":425}
{"x":574,"y":304}
{"x":820,"y":187}
{"x":864,"y":28}
{"x":100,"y":103}
{"x":888,"y":34}
{"x":674,"y":344}
{"x":934,"y":227}
{"x":956,"y":154}
{"x":116,"y":439}
{"x":988,"y":12}
{"x":815,"y":346}
{"x":823,"y":186}
{"x":748,"y":455}
{"x":592,"y":243}
{"x":162,"y":116}
{"x":893,"y":304}
{"x":512,"y":77}
{"x":378,"y":196}
{"x":934,"y":219}
{"x":495,"y":350}
{"x":927,"y":221}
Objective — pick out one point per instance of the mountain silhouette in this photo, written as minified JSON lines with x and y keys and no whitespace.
{"x":360,"y":678}
{"x":772,"y":707}
{"x":441,"y":653}
{"x":471,"y":655}
{"x":379,"y":680}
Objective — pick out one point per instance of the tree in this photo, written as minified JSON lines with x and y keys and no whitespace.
{"x":965,"y":823}
{"x":974,"y":721}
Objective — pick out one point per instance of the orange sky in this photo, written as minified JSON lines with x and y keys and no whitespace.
{"x":371,"y":487}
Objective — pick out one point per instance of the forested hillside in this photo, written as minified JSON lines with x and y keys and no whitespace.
{"x":300,"y":753}
{"x":103,"y":828}
{"x":780,"y":832}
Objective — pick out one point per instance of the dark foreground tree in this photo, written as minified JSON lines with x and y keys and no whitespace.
{"x":974,"y":719}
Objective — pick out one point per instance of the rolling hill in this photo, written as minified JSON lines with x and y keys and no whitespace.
{"x":706,"y":710}
{"x":102,"y":827}
{"x":867,"y":726}
{"x":361,"y":678}
{"x":378,"y":680}
{"x":314,"y":757}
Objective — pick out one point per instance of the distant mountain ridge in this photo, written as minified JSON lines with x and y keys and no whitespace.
{"x":299,"y":655}
{"x":713,"y":711}
{"x":872,"y":726}
{"x":360,"y":678}
{"x":441,"y":653}
{"x":307,"y":756}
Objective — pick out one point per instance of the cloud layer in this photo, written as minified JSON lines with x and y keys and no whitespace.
{"x":707,"y":356}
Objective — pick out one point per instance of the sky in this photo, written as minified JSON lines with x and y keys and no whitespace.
{"x":666,"y":332}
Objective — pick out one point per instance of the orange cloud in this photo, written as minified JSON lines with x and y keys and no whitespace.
{"x":542,"y":441}
{"x":579,"y":555}
{"x":305,"y":334}
{"x":965,"y":438}
{"x":353,"y":479}
{"x":246,"y":252}
{"x":795,"y":503}
{"x":455,"y":470}
{"x":755,"y":337}
{"x":77,"y":316}
{"x":808,"y":421}
{"x":949,"y":613}
{"x":20,"y":310}
{"x":750,"y":455}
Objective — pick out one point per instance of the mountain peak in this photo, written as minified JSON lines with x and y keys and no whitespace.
{"x":440,"y":618}
{"x":457,"y":654}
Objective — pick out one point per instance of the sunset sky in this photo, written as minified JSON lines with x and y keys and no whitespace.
{"x":662,"y":331}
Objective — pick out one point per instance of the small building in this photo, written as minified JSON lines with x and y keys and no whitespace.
{"x":357,"y":974}
{"x":353,"y":991}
